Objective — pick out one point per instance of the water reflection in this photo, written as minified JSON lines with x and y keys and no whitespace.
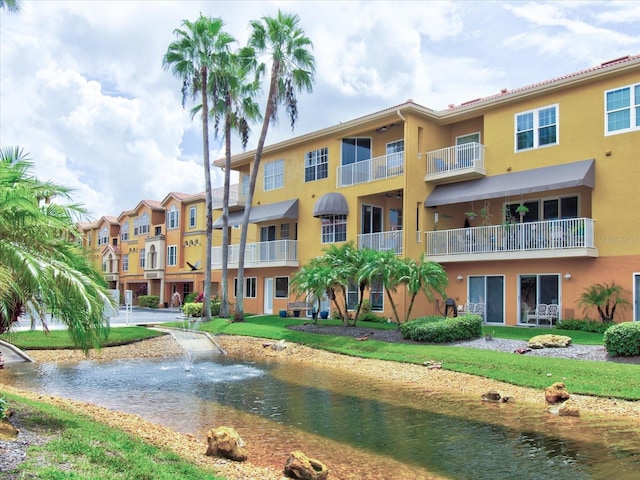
{"x":359,"y":429}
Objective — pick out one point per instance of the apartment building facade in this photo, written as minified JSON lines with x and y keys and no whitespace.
{"x":525,"y":197}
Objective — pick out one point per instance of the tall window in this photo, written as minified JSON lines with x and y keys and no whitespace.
{"x":124,"y":231}
{"x":622,"y":109}
{"x":245,"y":184}
{"x":143,"y":258}
{"x":250,"y":287}
{"x":316,"y":164}
{"x":192,"y":217}
{"x":334,"y":228}
{"x":274,"y":175}
{"x":376,"y":296}
{"x":172,"y":255}
{"x":285,"y":231}
{"x":352,"y":295}
{"x":103,"y":236}
{"x":173,"y":218}
{"x":282,"y":287}
{"x":141,"y":225}
{"x":125,"y":262}
{"x":537,"y":128}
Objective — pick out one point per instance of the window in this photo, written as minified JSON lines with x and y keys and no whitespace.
{"x":282,"y":287}
{"x":334,"y":228}
{"x":355,"y":150}
{"x":316,"y":164}
{"x":124,"y":231}
{"x":173,"y":218}
{"x":172,"y":255}
{"x":103,"y":236}
{"x":143,"y":258}
{"x":376,"y":296}
{"x":546,"y":209}
{"x":246,"y":179}
{"x":249,"y":288}
{"x":141,"y":225}
{"x":89,"y":239}
{"x":125,"y":262}
{"x":622,"y":109}
{"x":285,"y":231}
{"x":274,"y":175}
{"x":395,"y":155}
{"x":352,"y":295}
{"x":192,"y":217}
{"x":537,"y":128}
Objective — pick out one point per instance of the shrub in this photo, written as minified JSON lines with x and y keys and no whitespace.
{"x":190,"y":297}
{"x":583,"y":325}
{"x":150,"y":301}
{"x":372,"y":317}
{"x":623,"y":339}
{"x":194,"y":309}
{"x":443,"y":330}
{"x":4,"y":408}
{"x":365,"y":307}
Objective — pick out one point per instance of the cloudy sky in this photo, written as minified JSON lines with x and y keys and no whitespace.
{"x":83,"y":90}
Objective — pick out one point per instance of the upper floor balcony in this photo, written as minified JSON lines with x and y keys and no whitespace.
{"x":278,"y":253}
{"x":382,"y":241}
{"x":545,"y":239}
{"x":379,"y":168}
{"x":455,"y":164}
{"x":237,"y":200}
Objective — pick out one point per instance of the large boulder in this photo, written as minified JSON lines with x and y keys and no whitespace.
{"x":225,"y":442}
{"x":549,"y":341}
{"x":556,"y":393}
{"x":300,"y":466}
{"x":567,"y":408}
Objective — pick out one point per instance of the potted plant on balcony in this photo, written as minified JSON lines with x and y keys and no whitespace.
{"x":470,"y":215}
{"x":522,"y":210}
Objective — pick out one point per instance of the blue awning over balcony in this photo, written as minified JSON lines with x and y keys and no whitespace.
{"x":263,"y":213}
{"x":543,"y":179}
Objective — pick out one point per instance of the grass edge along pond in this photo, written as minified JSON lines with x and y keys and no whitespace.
{"x":600,"y":379}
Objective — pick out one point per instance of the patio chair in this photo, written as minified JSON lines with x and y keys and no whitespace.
{"x":539,"y":313}
{"x":551,"y":315}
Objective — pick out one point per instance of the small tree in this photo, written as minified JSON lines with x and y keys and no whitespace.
{"x":423,"y":276}
{"x":606,"y":298}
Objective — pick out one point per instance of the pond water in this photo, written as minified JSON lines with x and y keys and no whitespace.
{"x":359,"y":429}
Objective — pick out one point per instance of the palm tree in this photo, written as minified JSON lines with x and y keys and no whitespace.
{"x":42,"y":267}
{"x":343,"y":271}
{"x":312,"y":280}
{"x":233,"y":103}
{"x":292,"y":69}
{"x":422,"y":276}
{"x":199,"y":48}
{"x":385,"y":267}
{"x":606,"y":298}
{"x":10,"y":5}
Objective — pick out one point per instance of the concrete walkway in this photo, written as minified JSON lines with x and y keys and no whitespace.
{"x":193,"y":341}
{"x":11,"y":353}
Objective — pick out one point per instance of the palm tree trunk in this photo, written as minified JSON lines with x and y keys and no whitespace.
{"x":224,"y":300}
{"x":393,"y":306}
{"x":209,"y":201}
{"x":272,"y":100}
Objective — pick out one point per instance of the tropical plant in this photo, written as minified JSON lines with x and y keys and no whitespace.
{"x":605,"y":298}
{"x":233,"y":104}
{"x":292,"y":69}
{"x":386,"y":268}
{"x":42,"y":267}
{"x":422,"y":276}
{"x":10,"y":5}
{"x":200,"y":48}
{"x":311,"y":280}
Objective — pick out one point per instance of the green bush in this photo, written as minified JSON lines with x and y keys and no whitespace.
{"x":623,"y":339}
{"x":190,"y":297}
{"x":583,"y":325}
{"x":4,"y":408}
{"x":150,"y":301}
{"x":443,"y":330}
{"x":194,"y":309}
{"x":372,"y":317}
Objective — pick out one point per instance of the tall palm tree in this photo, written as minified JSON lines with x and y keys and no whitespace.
{"x":422,"y":276}
{"x":385,"y":267}
{"x":10,"y":5}
{"x":313,"y":280}
{"x":288,"y":50}
{"x":233,"y":104}
{"x":199,"y":48}
{"x":42,"y":267}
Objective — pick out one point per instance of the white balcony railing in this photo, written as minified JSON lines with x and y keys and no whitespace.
{"x":235,"y":196}
{"x":377,"y":168}
{"x":455,"y":159}
{"x":531,"y":236}
{"x":278,"y":252}
{"x":382,"y":241}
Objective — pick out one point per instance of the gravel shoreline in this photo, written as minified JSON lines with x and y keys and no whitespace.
{"x":262,"y":466}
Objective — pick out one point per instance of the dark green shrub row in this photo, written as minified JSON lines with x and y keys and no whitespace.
{"x":443,"y":330}
{"x":150,"y":301}
{"x":372,"y":317}
{"x":583,"y":325}
{"x":623,"y":339}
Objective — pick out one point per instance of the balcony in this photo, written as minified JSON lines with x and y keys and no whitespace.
{"x":456,"y":164}
{"x":382,"y":241}
{"x":545,"y":239}
{"x":378,"y":168}
{"x":279,"y":253}
{"x":237,"y":200}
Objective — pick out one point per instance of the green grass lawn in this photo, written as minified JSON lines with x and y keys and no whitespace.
{"x":80,"y":448}
{"x":606,"y":379}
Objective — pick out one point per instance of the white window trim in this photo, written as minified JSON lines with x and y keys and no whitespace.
{"x":173,"y":218}
{"x":273,"y":163}
{"x":246,"y":281}
{"x":193,"y":217}
{"x":319,"y":153}
{"x":632,"y":108}
{"x":175,"y":249}
{"x":479,"y":134}
{"x":536,"y":128}
{"x":275,"y":290}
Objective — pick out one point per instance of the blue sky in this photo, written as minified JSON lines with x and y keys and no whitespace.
{"x":83,"y":90}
